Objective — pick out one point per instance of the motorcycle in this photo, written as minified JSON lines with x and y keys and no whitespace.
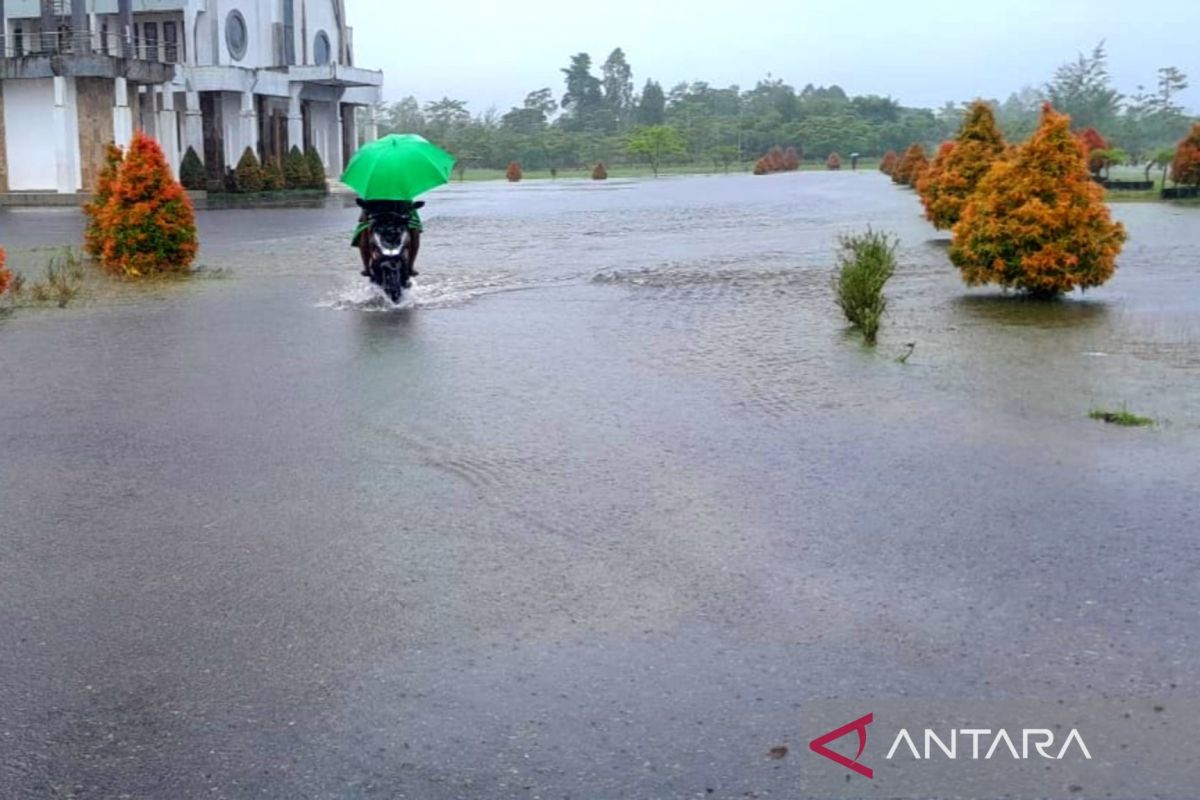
{"x":388,"y":239}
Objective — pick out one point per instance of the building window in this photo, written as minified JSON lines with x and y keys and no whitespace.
{"x":150,"y":30}
{"x":104,"y":38}
{"x":321,"y":49}
{"x":171,"y":42}
{"x":236,"y":36}
{"x":18,"y":42}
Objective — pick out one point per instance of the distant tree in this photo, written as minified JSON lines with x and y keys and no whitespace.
{"x":1037,"y":221}
{"x":911,"y":164}
{"x":1163,"y":159}
{"x":296,"y":174}
{"x":600,"y":172}
{"x":834,"y":162}
{"x":946,"y":188}
{"x":724,"y":156}
{"x":191,"y":172}
{"x":93,"y":236}
{"x":249,"y":172}
{"x":514,"y":172}
{"x":652,"y":105}
{"x":1094,"y":145}
{"x":654,"y":144}
{"x":1083,"y":90}
{"x":617,"y":83}
{"x":584,"y":95}
{"x":1185,"y":168}
{"x":888,"y":164}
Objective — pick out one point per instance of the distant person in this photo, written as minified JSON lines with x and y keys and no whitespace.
{"x":854,"y":161}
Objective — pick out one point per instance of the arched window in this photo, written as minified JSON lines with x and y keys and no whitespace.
{"x":236,"y":35}
{"x":322,"y":50}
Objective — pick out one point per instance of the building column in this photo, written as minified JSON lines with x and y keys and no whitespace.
{"x":168,"y":129}
{"x":248,"y":134}
{"x":295,"y":118}
{"x":193,"y":125}
{"x":66,"y":136}
{"x":148,"y":111}
{"x":334,"y":165}
{"x":122,"y":114}
{"x":372,"y":128}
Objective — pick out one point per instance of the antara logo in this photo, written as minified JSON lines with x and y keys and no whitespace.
{"x":998,"y":743}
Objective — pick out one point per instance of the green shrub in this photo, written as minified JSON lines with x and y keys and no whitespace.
{"x":865,"y":263}
{"x":249,"y":172}
{"x":296,"y":173}
{"x":272,"y":176}
{"x":191,"y":172}
{"x":316,"y":169}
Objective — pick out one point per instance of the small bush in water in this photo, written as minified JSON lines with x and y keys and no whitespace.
{"x":865,"y":263}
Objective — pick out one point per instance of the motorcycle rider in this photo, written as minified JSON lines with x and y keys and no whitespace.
{"x":371,"y":207}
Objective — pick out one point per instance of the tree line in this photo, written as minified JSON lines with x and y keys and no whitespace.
{"x":601,"y":117}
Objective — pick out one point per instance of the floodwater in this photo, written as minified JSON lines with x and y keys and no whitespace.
{"x":606,"y":510}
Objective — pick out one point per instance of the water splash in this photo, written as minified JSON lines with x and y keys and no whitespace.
{"x":359,"y":294}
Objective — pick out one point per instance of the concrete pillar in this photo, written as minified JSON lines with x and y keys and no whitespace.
{"x":49,"y":27}
{"x":193,"y":125}
{"x":125,"y":28}
{"x":66,"y":136}
{"x":168,"y":128}
{"x":81,"y":40}
{"x":295,"y":118}
{"x":122,"y":114}
{"x":372,"y":129}
{"x":333,"y":164}
{"x":148,"y":108}
{"x":248,"y":135}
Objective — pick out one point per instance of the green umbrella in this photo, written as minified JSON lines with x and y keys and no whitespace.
{"x":398,"y":167}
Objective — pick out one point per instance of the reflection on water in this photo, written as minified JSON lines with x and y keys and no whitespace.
{"x":1018,"y":309}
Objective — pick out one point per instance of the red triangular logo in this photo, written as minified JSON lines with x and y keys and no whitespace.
{"x":818,"y":745}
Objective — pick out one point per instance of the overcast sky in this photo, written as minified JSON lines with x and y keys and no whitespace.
{"x":922,"y":52}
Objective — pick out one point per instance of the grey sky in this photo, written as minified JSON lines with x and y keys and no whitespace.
{"x":923,"y":52}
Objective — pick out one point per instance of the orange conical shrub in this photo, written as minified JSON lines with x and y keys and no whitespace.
{"x":1094,"y":144}
{"x":888,"y":165}
{"x":934,"y":178}
{"x":911,"y":163}
{"x":977,"y":147}
{"x":834,"y":162}
{"x":1185,"y":169}
{"x":1037,"y":221}
{"x":149,"y":225}
{"x":93,"y":236}
{"x":514,"y":173}
{"x":6,"y":275}
{"x":600,"y":172}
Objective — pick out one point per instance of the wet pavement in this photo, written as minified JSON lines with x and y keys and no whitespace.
{"x":605,"y":511}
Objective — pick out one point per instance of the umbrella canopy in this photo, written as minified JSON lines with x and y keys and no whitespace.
{"x":398,"y":167}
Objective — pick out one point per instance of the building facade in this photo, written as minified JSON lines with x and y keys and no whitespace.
{"x":215,"y":75}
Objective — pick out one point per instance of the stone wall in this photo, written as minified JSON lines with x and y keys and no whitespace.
{"x":95,"y":99}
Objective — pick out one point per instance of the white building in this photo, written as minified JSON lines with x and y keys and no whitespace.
{"x":216,"y":75}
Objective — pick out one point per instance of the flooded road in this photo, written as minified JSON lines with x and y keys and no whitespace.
{"x":596,"y":516}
